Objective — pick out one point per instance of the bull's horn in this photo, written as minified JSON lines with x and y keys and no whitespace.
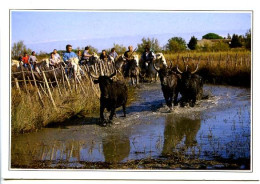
{"x":170,"y":64}
{"x":195,"y":69}
{"x":92,"y":75}
{"x":184,"y":61}
{"x":186,"y":68}
{"x":156,"y":68}
{"x":179,"y":70}
{"x":113,"y":74}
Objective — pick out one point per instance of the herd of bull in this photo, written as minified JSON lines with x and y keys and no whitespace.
{"x":114,"y":92}
{"x":173,"y":82}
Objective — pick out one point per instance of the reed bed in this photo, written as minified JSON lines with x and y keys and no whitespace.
{"x":231,"y":68}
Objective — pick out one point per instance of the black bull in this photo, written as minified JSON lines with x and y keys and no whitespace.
{"x":113,"y":95}
{"x":191,"y":87}
{"x":170,"y":85}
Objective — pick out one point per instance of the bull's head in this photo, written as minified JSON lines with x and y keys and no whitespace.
{"x":187,"y":71}
{"x":187,"y":75}
{"x":104,"y":83}
{"x":164,"y":73}
{"x":186,"y":67}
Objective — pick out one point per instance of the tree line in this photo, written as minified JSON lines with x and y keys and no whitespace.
{"x":174,"y":44}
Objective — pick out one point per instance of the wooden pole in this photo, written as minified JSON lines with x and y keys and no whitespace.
{"x":66,"y":79}
{"x":57,"y":82}
{"x":35,"y":83}
{"x":44,"y":90}
{"x":62,"y":75}
{"x":80,"y":85}
{"x":29,"y":81}
{"x":51,"y":84}
{"x":75,"y":79}
{"x":49,"y":91}
{"x":86,"y":77}
{"x":95,"y":67}
{"x":25,"y":83}
{"x":17,"y":85}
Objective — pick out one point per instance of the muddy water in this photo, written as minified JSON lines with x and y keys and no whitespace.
{"x":217,"y":127}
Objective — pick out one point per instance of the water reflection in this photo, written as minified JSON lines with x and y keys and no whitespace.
{"x":177,"y":129}
{"x":115,"y":148}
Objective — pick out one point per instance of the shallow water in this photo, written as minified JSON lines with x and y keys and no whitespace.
{"x":218,"y":127}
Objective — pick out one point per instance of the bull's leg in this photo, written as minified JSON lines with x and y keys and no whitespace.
{"x":170,"y":101}
{"x":167,"y":101}
{"x":112,"y":114}
{"x":102,"y":113}
{"x":182,"y":101}
{"x":124,"y":110}
{"x":175,"y":102}
{"x":193,"y":101}
{"x":132,"y":81}
{"x":137,"y":80}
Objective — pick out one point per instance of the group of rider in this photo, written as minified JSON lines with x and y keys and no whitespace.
{"x":55,"y":59}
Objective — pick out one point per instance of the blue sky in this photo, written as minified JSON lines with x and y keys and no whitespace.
{"x":42,"y":29}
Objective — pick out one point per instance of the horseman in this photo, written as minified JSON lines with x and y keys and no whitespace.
{"x":129,"y":57}
{"x":56,"y":55}
{"x":104,"y":56}
{"x":70,"y":59}
{"x":147,"y":57}
{"x":113,"y":53}
{"x":54,"y":61}
{"x":85,"y":57}
{"x":25,"y":60}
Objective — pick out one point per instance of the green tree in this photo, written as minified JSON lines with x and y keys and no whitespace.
{"x":19,"y":48}
{"x":92,"y":49}
{"x":220,"y":46}
{"x":176,"y":44}
{"x":248,"y":39}
{"x":236,"y":41}
{"x":152,"y":43}
{"x":206,"y":47}
{"x":212,"y":36}
{"x":120,"y":49}
{"x":192,"y":43}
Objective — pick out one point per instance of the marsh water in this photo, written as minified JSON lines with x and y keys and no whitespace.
{"x":217,"y":127}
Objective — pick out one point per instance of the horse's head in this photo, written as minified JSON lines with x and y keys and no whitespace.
{"x":160,"y":59}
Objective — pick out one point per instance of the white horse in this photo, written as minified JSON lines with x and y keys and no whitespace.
{"x":159,"y":61}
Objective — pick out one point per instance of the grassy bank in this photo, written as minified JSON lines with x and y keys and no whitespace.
{"x":231,"y":68}
{"x":29,"y":114}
